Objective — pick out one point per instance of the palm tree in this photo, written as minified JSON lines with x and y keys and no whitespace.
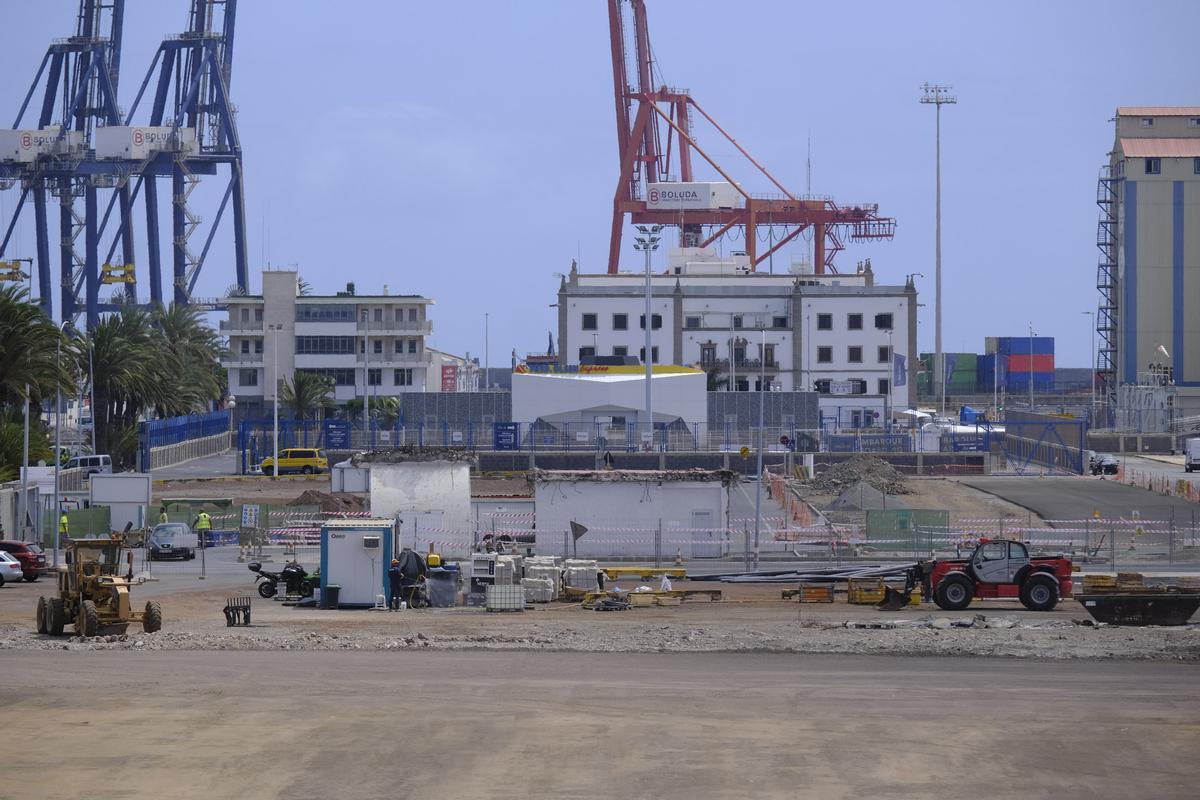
{"x":200,"y":378}
{"x":307,"y":394}
{"x":134,"y":372}
{"x":12,"y":443}
{"x":29,"y":351}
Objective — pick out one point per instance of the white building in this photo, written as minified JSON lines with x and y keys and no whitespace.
{"x":374,"y":343}
{"x":450,"y":373}
{"x":835,"y":333}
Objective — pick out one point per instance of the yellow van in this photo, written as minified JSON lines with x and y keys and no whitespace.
{"x":297,"y":459}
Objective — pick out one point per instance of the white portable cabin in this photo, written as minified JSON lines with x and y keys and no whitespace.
{"x":355,"y":555}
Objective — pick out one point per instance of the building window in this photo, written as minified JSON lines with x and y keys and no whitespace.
{"x":245,"y":345}
{"x":258,"y":346}
{"x":245,"y":315}
{"x":586,"y":352}
{"x":402,"y":377}
{"x":1147,"y":122}
{"x":1196,"y":166}
{"x":883,"y":386}
{"x":1194,"y":122}
{"x":854,"y":354}
{"x":854,"y":322}
{"x":399,"y":315}
{"x":620,"y":350}
{"x":779,"y":322}
{"x":248,"y":377}
{"x":769,"y":355}
{"x":258,"y":312}
{"x":326,"y":345}
{"x":340,"y":377}
{"x":739,"y":355}
{"x":824,"y":322}
{"x":375,"y":377}
{"x":883,"y":322}
{"x":412,"y":315}
{"x":885,"y":354}
{"x":655,"y":321}
{"x":708,"y":355}
{"x":398,"y":346}
{"x":413,"y":345}
{"x":589,"y":322}
{"x":737,"y":321}
{"x":691,"y":322}
{"x":620,"y":322}
{"x":824,"y":355}
{"x":653,"y":354}
{"x":1153,"y":166}
{"x":325,"y":312}
{"x":377,"y":346}
{"x":379,"y":315}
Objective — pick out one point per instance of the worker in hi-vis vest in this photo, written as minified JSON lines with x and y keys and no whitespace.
{"x":63,"y":524}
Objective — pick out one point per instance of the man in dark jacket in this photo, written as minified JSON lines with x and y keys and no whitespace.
{"x":395,"y":579}
{"x":412,"y":572}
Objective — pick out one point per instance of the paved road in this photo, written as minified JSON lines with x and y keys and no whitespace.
{"x":565,"y":725}
{"x":210,"y":466}
{"x":1077,"y":498}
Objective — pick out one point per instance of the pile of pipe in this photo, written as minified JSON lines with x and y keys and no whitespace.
{"x":822,"y":575}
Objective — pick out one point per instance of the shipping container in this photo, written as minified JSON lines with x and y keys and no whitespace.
{"x":1011,"y":345}
{"x":1023,"y":362}
{"x":992,"y":372}
{"x":1019,"y":382}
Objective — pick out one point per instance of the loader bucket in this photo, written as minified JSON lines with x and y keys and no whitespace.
{"x":893,"y":599}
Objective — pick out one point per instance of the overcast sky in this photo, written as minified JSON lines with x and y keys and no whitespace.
{"x":466,"y":150}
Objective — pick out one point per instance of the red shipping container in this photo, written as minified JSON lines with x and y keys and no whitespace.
{"x":1020,"y":362}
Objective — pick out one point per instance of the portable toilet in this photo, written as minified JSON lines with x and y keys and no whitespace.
{"x":355,"y":556}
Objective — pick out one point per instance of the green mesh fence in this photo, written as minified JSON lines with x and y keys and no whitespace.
{"x":908,"y":529}
{"x":81,"y":524}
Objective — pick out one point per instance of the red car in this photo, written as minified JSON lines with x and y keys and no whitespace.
{"x":31,"y":556}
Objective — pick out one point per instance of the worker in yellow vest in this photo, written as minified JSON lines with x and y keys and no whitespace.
{"x":63,"y":524}
{"x":203,"y":526}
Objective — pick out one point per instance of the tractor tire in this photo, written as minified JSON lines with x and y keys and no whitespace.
{"x":43,"y":616}
{"x":954,"y":592}
{"x":88,"y":623}
{"x":266,"y":590}
{"x":58,"y":616}
{"x":152,"y":620}
{"x":31,"y":577}
{"x":1039,"y":592}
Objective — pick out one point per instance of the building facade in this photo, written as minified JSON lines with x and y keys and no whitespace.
{"x":840,"y":335}
{"x":367,"y":344}
{"x":1149,"y":275}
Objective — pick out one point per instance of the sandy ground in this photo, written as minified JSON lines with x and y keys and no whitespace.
{"x":566,"y":725}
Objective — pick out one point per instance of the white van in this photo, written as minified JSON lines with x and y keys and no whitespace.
{"x":91,"y":465}
{"x":1191,"y":455}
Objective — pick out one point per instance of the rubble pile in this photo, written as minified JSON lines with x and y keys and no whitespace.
{"x":870,"y":470}
{"x":331,"y":503}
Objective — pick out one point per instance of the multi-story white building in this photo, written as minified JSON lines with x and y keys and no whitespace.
{"x":841,"y":335}
{"x":372,"y":344}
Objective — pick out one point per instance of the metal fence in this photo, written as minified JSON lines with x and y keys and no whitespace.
{"x":175,"y":430}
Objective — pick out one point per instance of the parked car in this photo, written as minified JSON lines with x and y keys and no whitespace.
{"x":91,"y":464}
{"x":171,"y":540}
{"x":10,"y":568}
{"x":307,"y":460}
{"x":31,"y":556}
{"x":1105,"y":464}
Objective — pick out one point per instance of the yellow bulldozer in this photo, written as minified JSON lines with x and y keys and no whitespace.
{"x":93,"y":591}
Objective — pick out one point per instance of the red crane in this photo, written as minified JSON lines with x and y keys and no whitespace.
{"x":656,"y":143}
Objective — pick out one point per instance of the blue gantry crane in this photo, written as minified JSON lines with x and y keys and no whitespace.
{"x":83,"y":147}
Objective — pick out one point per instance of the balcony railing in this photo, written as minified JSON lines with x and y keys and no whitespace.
{"x":397,"y":326}
{"x":243,"y":358}
{"x":402,"y":359}
{"x":241,"y":325}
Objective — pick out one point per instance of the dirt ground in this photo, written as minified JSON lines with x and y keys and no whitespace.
{"x":573,"y":726}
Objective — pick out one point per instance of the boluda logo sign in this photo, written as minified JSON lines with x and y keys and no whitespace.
{"x":678,"y":195}
{"x":139,"y":136}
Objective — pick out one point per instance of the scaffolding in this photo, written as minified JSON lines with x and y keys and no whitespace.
{"x":1106,"y":283}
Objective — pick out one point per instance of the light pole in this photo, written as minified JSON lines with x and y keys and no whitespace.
{"x":487,"y":361}
{"x":648,"y":243}
{"x":762,"y":397}
{"x":57,"y":436}
{"x":887,"y":406}
{"x":938,"y":96}
{"x":275,"y":398}
{"x":1031,"y":335}
{"x":92,"y":388}
{"x":1092,"y":364}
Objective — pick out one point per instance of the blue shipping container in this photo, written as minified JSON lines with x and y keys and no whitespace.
{"x":992,"y":370}
{"x":1019,"y":382}
{"x":1042,"y":345}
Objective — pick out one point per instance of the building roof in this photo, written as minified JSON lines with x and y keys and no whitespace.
{"x":1161,"y":148}
{"x":1158,"y":111}
{"x":332,"y":298}
{"x":660,"y":289}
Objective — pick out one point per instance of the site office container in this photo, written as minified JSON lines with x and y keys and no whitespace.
{"x":1023,"y":362}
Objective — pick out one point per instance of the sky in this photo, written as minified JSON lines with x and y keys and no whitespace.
{"x":466,"y":151}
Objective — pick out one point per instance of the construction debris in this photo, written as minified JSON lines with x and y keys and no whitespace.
{"x":412,"y":453}
{"x":726,"y":476}
{"x":331,"y":503}
{"x":871,"y":470}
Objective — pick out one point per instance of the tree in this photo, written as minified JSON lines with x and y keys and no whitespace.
{"x":715,"y":379}
{"x":30,"y":345}
{"x":385,"y":411}
{"x":307,"y":394}
{"x":134,"y":372}
{"x":200,"y":379}
{"x":12,"y":443}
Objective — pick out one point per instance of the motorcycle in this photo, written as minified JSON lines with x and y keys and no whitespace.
{"x":295,"y":580}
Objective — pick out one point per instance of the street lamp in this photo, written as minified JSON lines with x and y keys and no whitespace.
{"x":275,"y":397}
{"x":938,"y":96}
{"x":1031,"y":335}
{"x":1092,"y":365}
{"x":57,"y":436}
{"x":648,"y":243}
